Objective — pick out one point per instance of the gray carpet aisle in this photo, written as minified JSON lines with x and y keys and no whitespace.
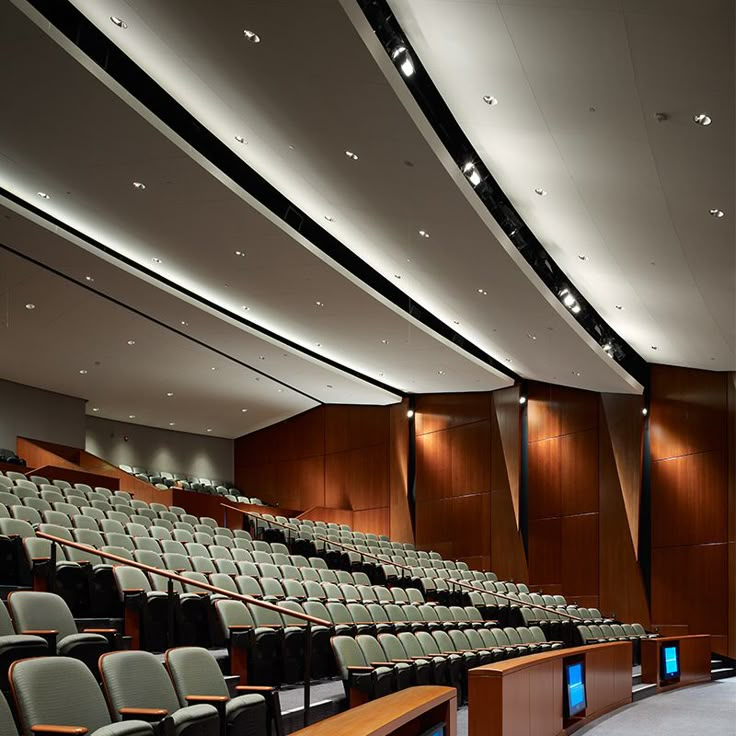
{"x":701,"y":710}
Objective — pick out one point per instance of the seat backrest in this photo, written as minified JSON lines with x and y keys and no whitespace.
{"x":130,"y":578}
{"x":16,"y":528}
{"x":34,"y":611}
{"x":232,"y":613}
{"x":59,"y":690}
{"x":194,"y":671}
{"x":347,"y":654}
{"x":136,"y":679}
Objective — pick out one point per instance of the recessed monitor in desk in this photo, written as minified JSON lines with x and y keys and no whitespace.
{"x":438,"y":730}
{"x":669,"y":668}
{"x":574,"y":695}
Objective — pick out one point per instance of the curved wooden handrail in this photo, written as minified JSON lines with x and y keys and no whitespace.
{"x":258,"y":516}
{"x":452,"y":581}
{"x":183,"y":580}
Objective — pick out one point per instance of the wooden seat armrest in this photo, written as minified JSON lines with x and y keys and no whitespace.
{"x":206,"y":698}
{"x":255,"y":689}
{"x":382,"y":664}
{"x":360,"y":668}
{"x":40,"y":632}
{"x":40,"y":559}
{"x":59,"y":730}
{"x":424,"y":657}
{"x":143,"y":714}
{"x":452,"y":651}
{"x":132,"y":590}
{"x":406,"y":661}
{"x":100,"y":631}
{"x":270,"y":626}
{"x":239,"y":627}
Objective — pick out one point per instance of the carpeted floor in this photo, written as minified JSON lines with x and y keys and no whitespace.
{"x":692,"y":711}
{"x":700,"y":710}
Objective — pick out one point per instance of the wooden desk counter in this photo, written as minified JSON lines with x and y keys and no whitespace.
{"x":695,"y":651}
{"x":406,"y":713}
{"x":524,"y":696}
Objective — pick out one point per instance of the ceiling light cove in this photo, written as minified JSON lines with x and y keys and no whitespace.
{"x":703,"y":119}
{"x":402,"y":59}
{"x":119,"y":22}
{"x":251,"y":36}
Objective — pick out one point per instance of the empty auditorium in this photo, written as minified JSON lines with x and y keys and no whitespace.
{"x":367,"y":367}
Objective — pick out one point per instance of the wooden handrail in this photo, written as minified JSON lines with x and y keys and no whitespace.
{"x":258,"y":516}
{"x":184,"y":580}
{"x":454,"y":581}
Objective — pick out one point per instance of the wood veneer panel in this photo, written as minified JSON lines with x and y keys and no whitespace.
{"x":579,"y":555}
{"x":621,"y":583}
{"x":399,"y":517}
{"x":358,"y":478}
{"x":470,"y":461}
{"x":621,"y":428}
{"x":508,"y":559}
{"x":578,"y":409}
{"x":689,"y":587}
{"x":544,"y":479}
{"x":545,"y":551}
{"x":433,"y":467}
{"x":432,"y":527}
{"x":688,"y":411}
{"x":353,"y":427}
{"x":579,"y":472}
{"x":470,"y":522}
{"x":543,"y":413}
{"x":690,"y":500}
{"x":372,"y":521}
{"x":37,"y":453}
{"x":301,"y":482}
{"x":435,"y":412}
{"x":506,"y":444}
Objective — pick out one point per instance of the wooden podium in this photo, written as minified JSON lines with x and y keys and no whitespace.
{"x":695,"y":651}
{"x":525,"y":696}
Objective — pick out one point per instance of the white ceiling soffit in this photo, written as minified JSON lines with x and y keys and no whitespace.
{"x":59,"y":336}
{"x":87,"y":162}
{"x":627,"y":210}
{"x":229,"y":342}
{"x":300,"y":104}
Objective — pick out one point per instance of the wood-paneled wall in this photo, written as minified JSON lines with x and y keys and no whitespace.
{"x":692,"y":501}
{"x":467,"y":469}
{"x":563,"y":499}
{"x":342,"y":457}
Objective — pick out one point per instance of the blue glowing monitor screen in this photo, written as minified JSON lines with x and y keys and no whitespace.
{"x":438,"y":730}
{"x":575,"y":688}
{"x":670,"y":662}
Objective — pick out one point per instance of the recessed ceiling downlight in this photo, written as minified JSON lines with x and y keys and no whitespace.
{"x":119,"y":22}
{"x":715,"y":212}
{"x":490,"y":100}
{"x":472,"y":174}
{"x":541,"y":192}
{"x":251,"y":36}
{"x":30,"y":306}
{"x":351,"y":155}
{"x":240,"y":139}
{"x":703,"y":118}
{"x":424,"y":233}
{"x":139,"y":185}
{"x":43,"y":195}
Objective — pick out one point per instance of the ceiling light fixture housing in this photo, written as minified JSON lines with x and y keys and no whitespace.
{"x":472,"y":174}
{"x":119,"y":22}
{"x":240,"y":139}
{"x":703,"y":119}
{"x":490,"y":100}
{"x":402,"y":59}
{"x":570,"y":301}
{"x":251,"y":36}
{"x":43,"y":195}
{"x":715,"y":212}
{"x":351,"y":155}
{"x":424,"y":233}
{"x":541,"y":192}
{"x":139,"y":185}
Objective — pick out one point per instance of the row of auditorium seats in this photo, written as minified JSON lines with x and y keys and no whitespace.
{"x":9,"y":456}
{"x":188,"y":696}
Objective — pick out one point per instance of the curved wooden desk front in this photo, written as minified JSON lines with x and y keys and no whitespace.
{"x":524,"y":696}
{"x":406,"y":713}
